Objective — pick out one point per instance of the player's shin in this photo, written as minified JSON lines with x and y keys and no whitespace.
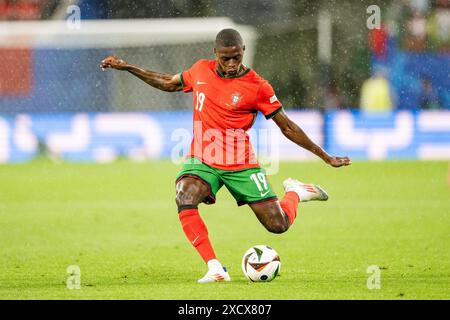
{"x":289,"y":204}
{"x":196,"y":232}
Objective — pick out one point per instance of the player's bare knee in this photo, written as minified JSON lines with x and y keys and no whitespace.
{"x":277,"y":227}
{"x":190,"y":192}
{"x":184,"y":197}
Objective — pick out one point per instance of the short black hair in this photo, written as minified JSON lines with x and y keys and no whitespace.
{"x":228,"y":38}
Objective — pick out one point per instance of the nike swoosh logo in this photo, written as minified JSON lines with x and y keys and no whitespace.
{"x":201,"y":82}
{"x":263,"y":194}
{"x":193,"y":242}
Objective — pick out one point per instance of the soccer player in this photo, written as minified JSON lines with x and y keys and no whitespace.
{"x":227,"y":97}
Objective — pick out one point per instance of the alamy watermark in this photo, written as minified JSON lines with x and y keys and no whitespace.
{"x":73,"y":20}
{"x":374,"y":20}
{"x":374,"y":280}
{"x":74,"y":279}
{"x":228,"y":147}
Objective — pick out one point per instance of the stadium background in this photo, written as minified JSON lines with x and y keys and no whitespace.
{"x":57,"y":107}
{"x":314,"y":57}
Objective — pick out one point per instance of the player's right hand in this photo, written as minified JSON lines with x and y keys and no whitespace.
{"x":114,"y":63}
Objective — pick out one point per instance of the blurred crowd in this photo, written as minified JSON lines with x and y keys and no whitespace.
{"x":24,"y":9}
{"x":408,"y":26}
{"x":419,"y":25}
{"x":425,"y":24}
{"x":413,"y":26}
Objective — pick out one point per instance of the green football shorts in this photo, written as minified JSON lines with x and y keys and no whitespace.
{"x":247,"y":186}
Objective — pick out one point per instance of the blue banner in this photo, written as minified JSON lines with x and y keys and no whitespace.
{"x":105,"y":137}
{"x":398,"y":135}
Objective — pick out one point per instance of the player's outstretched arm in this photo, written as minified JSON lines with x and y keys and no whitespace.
{"x":294,"y":133}
{"x":161,"y":81}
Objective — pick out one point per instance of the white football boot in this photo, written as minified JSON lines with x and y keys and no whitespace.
{"x":216,"y":273}
{"x":306,"y":192}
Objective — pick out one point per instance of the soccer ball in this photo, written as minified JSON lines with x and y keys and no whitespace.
{"x":261,"y":263}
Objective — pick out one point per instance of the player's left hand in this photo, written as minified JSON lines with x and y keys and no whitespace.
{"x":339,"y":161}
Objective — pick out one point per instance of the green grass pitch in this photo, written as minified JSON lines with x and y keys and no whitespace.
{"x":118,"y":223}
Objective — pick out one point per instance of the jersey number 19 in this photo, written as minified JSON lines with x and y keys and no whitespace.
{"x":200,"y":99}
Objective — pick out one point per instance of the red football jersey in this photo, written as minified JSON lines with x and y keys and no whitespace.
{"x":224,"y":109}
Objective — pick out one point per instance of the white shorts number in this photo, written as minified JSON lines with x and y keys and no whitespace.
{"x":259,"y":178}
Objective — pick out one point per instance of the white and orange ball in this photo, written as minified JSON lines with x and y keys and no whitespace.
{"x":261,"y":263}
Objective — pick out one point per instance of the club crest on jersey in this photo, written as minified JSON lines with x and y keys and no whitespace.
{"x":235,"y":99}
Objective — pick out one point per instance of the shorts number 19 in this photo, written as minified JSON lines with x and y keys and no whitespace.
{"x":259,"y":179}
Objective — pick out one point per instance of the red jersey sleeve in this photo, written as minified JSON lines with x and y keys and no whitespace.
{"x":186,"y":80}
{"x":267,"y":102}
{"x":187,"y":77}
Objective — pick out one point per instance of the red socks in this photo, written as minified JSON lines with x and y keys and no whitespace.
{"x":196,"y":232}
{"x":289,"y":204}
